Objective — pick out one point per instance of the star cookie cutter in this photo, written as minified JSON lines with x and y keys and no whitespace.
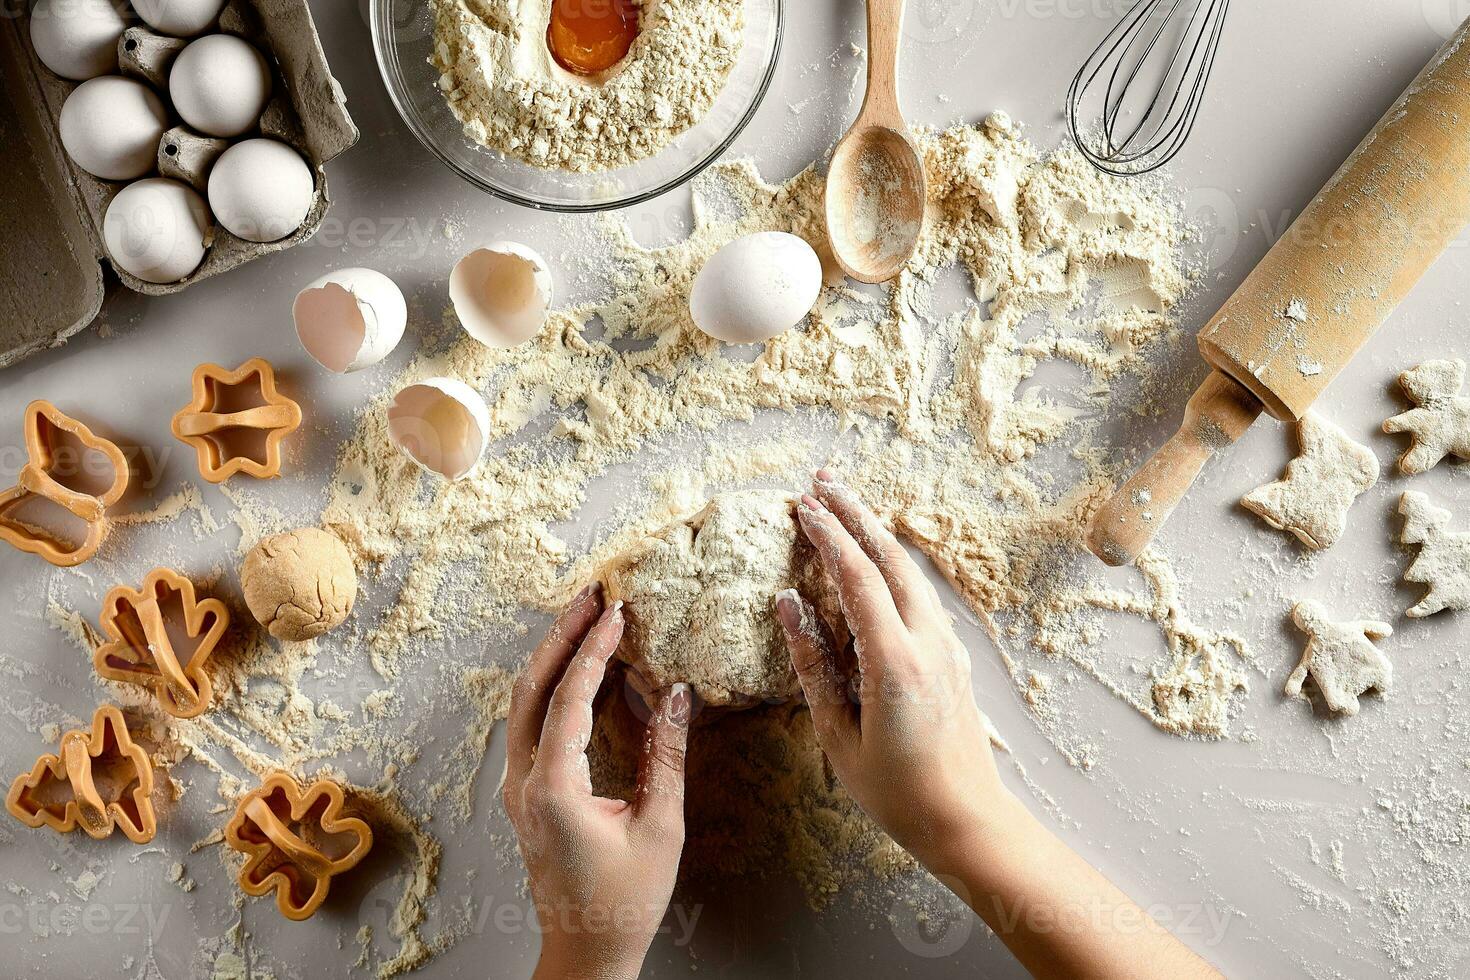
{"x":140,"y":648}
{"x":44,"y":423}
{"x":100,"y":781}
{"x":295,"y":841}
{"x":206,"y":422}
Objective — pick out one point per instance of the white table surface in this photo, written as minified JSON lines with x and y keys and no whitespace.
{"x":1222,"y":834}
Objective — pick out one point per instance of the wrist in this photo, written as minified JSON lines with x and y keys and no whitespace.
{"x":591,"y":959}
{"x":978,"y":836}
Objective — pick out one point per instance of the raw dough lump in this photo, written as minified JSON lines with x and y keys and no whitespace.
{"x":699,"y":598}
{"x":299,"y":584}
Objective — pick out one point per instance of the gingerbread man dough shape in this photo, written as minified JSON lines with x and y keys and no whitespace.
{"x":1440,"y":425}
{"x":1341,"y":658}
{"x":1312,"y":498}
{"x":1443,"y":562}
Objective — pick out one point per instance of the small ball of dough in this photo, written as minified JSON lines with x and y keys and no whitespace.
{"x":299,"y":584}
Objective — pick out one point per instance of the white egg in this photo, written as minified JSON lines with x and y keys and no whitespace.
{"x":350,"y":319}
{"x":180,"y":18}
{"x":501,"y":293}
{"x":756,"y":287}
{"x":261,"y":190}
{"x":220,"y":84}
{"x":156,"y":229}
{"x":441,"y":424}
{"x":110,"y":127}
{"x":77,"y":39}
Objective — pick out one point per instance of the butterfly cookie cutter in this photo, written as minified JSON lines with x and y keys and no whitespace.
{"x":208,"y":420}
{"x":295,"y":841}
{"x":140,"y":647}
{"x":44,"y":424}
{"x":101,"y":780}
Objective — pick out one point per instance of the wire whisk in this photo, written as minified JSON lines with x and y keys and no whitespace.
{"x":1157,"y":64}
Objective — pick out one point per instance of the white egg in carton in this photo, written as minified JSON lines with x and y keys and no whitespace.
{"x":218,"y":135}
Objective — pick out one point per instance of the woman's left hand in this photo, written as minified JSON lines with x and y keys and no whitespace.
{"x":602,"y":871}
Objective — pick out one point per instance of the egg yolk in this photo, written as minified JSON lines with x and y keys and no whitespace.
{"x":590,"y":36}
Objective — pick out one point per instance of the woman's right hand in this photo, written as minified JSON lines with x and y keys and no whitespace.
{"x":907,"y":739}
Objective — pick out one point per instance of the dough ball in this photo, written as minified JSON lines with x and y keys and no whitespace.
{"x":699,"y":599}
{"x":299,"y":584}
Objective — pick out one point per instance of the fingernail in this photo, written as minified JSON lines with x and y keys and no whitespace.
{"x":613,"y":610}
{"x":788,"y":610}
{"x":588,"y":591}
{"x":825,"y":475}
{"x":681,"y":704}
{"x":812,"y":504}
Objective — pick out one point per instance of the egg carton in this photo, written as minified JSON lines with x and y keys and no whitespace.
{"x":51,"y":211}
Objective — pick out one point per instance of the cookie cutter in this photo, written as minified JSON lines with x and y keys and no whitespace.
{"x":140,"y":649}
{"x":202,"y":424}
{"x":101,"y":780}
{"x":43,"y":421}
{"x":292,"y":839}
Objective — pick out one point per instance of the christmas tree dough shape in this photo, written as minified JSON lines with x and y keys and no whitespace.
{"x":1443,"y":562}
{"x":1341,"y":658}
{"x":1312,"y":498}
{"x":1440,"y":425}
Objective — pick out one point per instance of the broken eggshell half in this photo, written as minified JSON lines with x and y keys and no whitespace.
{"x":501,"y":293}
{"x":350,"y":319}
{"x":441,"y":424}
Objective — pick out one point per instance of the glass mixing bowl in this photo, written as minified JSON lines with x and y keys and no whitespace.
{"x":403,"y":37}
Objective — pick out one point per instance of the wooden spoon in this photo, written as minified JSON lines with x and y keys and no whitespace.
{"x":875,"y":184}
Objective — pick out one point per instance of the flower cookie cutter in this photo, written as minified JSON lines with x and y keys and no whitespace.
{"x":100,"y":780}
{"x":44,"y":424}
{"x":296,"y":841}
{"x":218,"y":411}
{"x":140,"y":647}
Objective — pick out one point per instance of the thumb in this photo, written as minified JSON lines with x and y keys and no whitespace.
{"x":812,"y":654}
{"x":660,"y":793}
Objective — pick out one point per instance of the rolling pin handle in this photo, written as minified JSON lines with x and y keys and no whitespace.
{"x":1215,"y":417}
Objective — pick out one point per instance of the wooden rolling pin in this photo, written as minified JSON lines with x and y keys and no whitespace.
{"x":1319,"y":293}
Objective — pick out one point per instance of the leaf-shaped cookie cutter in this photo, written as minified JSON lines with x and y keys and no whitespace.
{"x":124,"y":803}
{"x":42,"y":421}
{"x":200,"y":423}
{"x":297,"y":863}
{"x":141,"y":651}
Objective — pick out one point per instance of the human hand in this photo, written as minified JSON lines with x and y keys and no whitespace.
{"x":602,"y":871}
{"x":912,"y":747}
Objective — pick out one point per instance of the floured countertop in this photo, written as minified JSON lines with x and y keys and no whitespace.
{"x":1298,"y":844}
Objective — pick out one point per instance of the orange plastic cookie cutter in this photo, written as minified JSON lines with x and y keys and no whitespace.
{"x":44,"y":424}
{"x":296,"y":841}
{"x":140,"y":648}
{"x":230,"y":404}
{"x":100,"y":781}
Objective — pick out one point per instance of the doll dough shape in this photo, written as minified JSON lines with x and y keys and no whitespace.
{"x":699,"y":599}
{"x":1341,"y":658}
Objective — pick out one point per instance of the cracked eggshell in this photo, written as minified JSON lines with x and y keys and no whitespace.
{"x":756,"y":287}
{"x":441,"y":424}
{"x":501,"y":293}
{"x":350,"y":319}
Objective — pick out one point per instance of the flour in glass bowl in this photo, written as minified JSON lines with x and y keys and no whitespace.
{"x":503,"y":84}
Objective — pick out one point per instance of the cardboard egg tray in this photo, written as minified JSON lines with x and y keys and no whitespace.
{"x":51,"y":247}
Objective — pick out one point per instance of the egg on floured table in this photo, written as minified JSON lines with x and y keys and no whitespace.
{"x":756,"y":287}
{"x":110,"y":127}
